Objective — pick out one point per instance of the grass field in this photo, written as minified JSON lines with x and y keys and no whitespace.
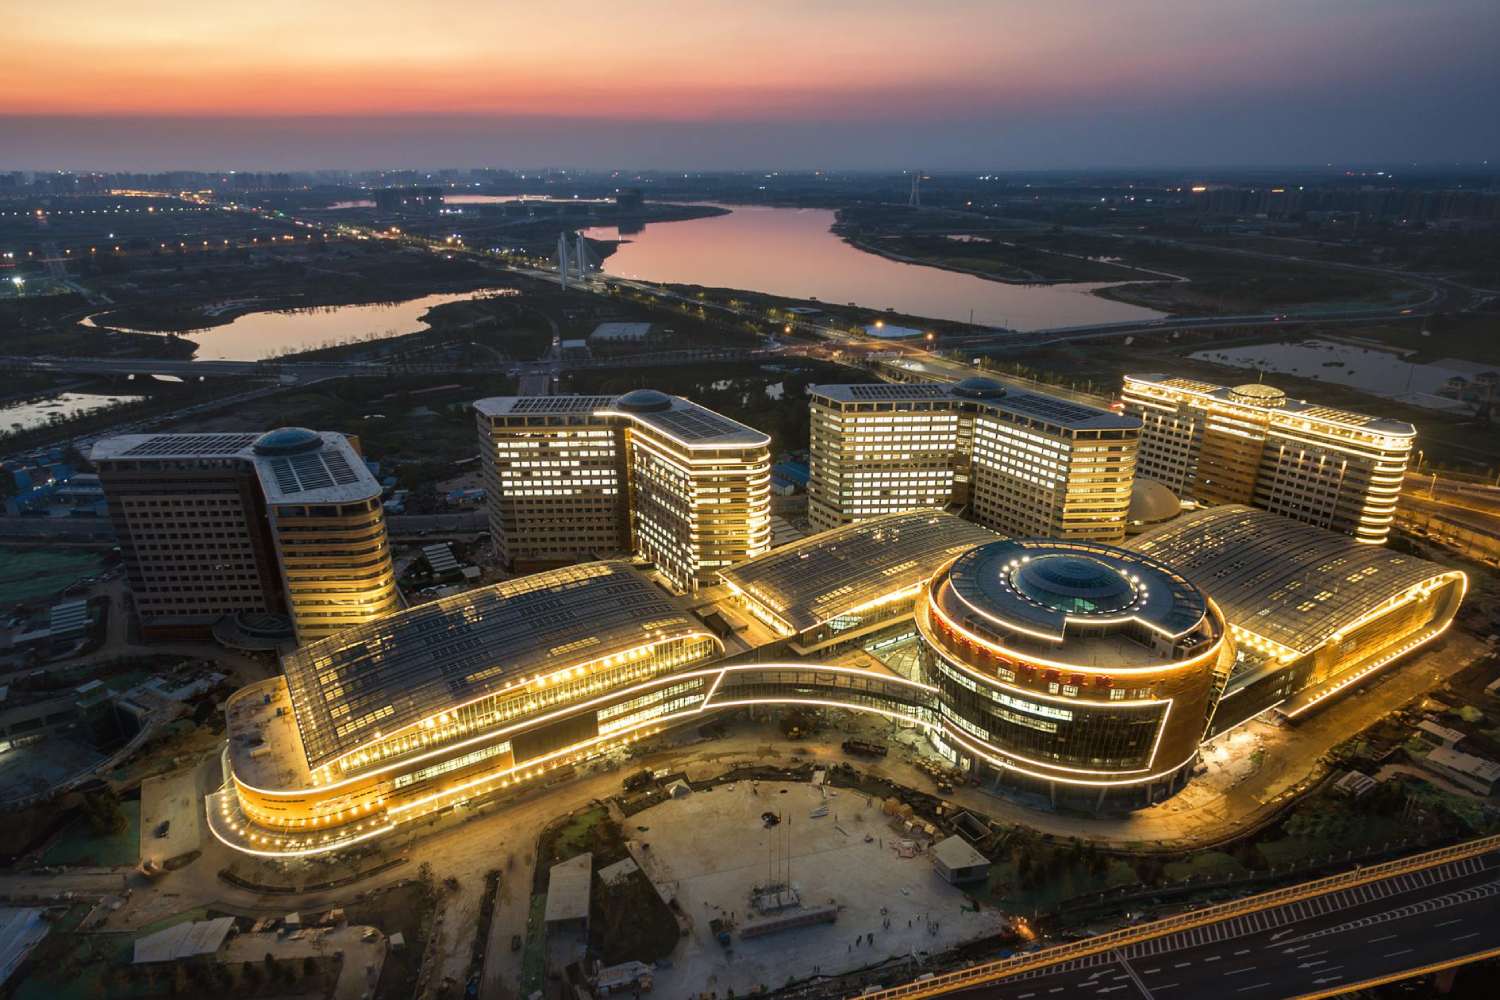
{"x":27,"y":574}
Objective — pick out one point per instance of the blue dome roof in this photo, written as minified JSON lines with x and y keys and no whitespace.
{"x":1074,"y":583}
{"x":287,"y":441}
{"x":644,"y":401}
{"x":978,"y":387}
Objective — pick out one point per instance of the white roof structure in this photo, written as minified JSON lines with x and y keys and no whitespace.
{"x":619,"y":871}
{"x":568,"y":889}
{"x":440,"y":557}
{"x":956,"y":852}
{"x":69,"y":617}
{"x":1479,"y":769}
{"x":294,"y":465}
{"x":621,"y":331}
{"x":197,"y":937}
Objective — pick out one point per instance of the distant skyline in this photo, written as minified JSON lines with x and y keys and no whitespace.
{"x":664,"y":84}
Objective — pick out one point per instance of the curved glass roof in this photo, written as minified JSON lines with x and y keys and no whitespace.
{"x":820,"y":577}
{"x":387,"y":674}
{"x":1074,"y":583}
{"x":1294,"y":584}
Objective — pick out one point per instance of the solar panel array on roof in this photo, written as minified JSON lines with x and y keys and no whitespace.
{"x":1049,"y":407}
{"x":695,"y":423}
{"x":889,"y":391}
{"x":314,"y":471}
{"x":339,"y":468}
{"x":191,"y":445}
{"x":559,"y":404}
{"x":1334,"y":415}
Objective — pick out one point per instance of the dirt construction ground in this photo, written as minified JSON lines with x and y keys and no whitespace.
{"x":711,"y":848}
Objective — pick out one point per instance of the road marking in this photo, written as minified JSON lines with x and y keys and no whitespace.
{"x":1393,"y":954}
{"x":1257,"y":986}
{"x":1327,"y":979}
{"x":1295,"y":948}
{"x":1166,"y":986}
{"x":1150,"y":972}
{"x":1213,"y":958}
{"x":1023,"y":996}
{"x":1467,"y":936}
{"x":1449,"y":923}
{"x":1130,"y":974}
{"x":1236,"y":972}
{"x":1243,"y":951}
{"x":1182,"y":965}
{"x":1388,"y":937}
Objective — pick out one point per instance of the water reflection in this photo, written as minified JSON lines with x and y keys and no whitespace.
{"x":791,"y":252}
{"x":58,"y":406}
{"x":259,"y":335}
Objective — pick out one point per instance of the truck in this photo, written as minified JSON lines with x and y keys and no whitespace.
{"x":865,"y":748}
{"x":639,"y":780}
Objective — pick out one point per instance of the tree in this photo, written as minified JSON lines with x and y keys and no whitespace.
{"x":103,"y":812}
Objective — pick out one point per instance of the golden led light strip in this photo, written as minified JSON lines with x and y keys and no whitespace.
{"x":688,"y":636}
{"x":1077,"y":668}
{"x":636,"y":419}
{"x":1007,"y":765}
{"x":1156,"y":744}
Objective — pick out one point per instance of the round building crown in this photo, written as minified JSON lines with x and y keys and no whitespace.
{"x":644,"y":401}
{"x":1074,"y":584}
{"x":1258,"y":394}
{"x":978,"y":387}
{"x":287,"y":441}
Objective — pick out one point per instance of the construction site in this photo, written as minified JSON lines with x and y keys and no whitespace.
{"x":782,"y":882}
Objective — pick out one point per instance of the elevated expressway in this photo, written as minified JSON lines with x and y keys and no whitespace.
{"x":1380,"y":924}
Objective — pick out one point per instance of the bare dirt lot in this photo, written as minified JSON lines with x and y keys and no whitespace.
{"x":711,"y":848}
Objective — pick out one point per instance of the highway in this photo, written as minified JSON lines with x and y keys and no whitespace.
{"x":1386,"y":923}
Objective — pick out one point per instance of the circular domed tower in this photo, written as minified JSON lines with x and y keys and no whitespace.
{"x":1079,"y":670}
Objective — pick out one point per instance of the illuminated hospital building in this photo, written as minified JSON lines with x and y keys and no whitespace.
{"x":571,"y":478}
{"x":1076,"y":670}
{"x":1253,"y":445}
{"x":288,"y":522}
{"x":1019,"y":462}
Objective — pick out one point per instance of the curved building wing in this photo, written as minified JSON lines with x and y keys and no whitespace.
{"x":838,"y":574}
{"x":371,"y":681}
{"x":1311,"y":611}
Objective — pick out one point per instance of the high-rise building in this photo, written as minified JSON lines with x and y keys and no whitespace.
{"x":287,"y":522}
{"x":1023,"y":463}
{"x":1253,"y":445}
{"x":571,"y":478}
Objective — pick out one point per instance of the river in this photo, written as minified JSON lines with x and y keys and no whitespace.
{"x":793,"y":253}
{"x":782,"y":251}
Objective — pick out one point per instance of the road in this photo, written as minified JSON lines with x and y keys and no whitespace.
{"x":1461,"y":516}
{"x":1328,"y":937}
